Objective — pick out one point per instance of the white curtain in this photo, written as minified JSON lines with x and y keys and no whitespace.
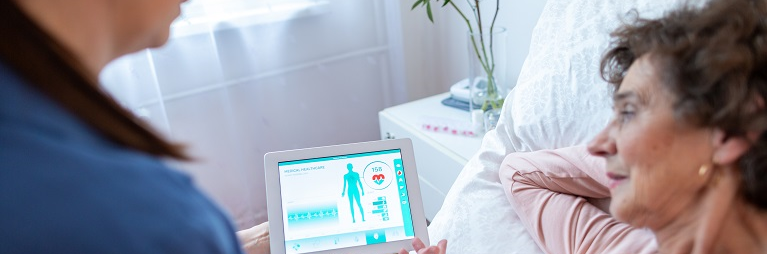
{"x":265,"y":78}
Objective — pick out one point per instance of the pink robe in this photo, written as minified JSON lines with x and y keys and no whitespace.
{"x":547,"y":188}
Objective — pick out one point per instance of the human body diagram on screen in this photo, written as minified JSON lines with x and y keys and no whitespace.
{"x":352,"y":180}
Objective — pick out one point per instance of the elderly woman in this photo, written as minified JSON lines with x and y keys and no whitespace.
{"x":684,"y":160}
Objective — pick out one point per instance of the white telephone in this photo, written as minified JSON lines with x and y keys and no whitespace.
{"x":462,"y":91}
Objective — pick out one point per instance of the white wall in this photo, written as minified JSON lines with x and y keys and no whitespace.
{"x":435,"y":54}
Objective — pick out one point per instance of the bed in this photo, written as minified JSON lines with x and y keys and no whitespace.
{"x":559,"y":101}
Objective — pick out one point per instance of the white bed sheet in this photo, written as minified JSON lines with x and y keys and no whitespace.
{"x":476,"y":217}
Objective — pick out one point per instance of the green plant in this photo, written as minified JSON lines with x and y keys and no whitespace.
{"x":484,"y":53}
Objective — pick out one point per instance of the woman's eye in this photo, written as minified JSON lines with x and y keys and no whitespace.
{"x":626,"y":115}
{"x":624,"y":112}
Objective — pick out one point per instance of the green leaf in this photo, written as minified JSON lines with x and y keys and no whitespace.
{"x":428,"y":11}
{"x":416,"y":4}
{"x":446,"y":2}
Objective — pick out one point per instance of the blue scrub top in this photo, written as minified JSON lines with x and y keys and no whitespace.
{"x":64,"y":188}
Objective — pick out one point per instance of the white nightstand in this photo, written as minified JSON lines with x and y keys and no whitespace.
{"x":439,"y":156}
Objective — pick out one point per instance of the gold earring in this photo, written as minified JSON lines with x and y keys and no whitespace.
{"x":703,"y":170}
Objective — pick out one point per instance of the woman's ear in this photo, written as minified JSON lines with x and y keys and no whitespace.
{"x":728,"y":148}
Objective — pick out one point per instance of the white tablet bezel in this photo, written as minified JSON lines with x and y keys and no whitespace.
{"x":274,"y":196}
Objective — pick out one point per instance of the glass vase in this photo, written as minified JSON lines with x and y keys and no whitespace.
{"x":488,"y":80}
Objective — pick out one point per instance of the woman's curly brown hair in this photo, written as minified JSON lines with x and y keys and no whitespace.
{"x":713,"y":59}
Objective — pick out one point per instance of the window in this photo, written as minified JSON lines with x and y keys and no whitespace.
{"x":197,"y":12}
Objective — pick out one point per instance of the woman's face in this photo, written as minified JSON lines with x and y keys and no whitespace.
{"x":652,"y":159}
{"x":144,"y":23}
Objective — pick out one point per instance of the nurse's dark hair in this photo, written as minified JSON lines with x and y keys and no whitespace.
{"x":45,"y":64}
{"x":713,"y":59}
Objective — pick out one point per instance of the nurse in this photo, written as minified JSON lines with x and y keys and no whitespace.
{"x":78,"y":173}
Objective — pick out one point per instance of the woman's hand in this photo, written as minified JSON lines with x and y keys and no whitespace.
{"x":420,"y":248}
{"x":255,"y":240}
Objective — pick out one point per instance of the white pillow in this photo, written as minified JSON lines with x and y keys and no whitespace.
{"x":559,"y":101}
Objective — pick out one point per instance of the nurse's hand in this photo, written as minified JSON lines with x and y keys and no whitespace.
{"x":255,"y":240}
{"x":420,"y":248}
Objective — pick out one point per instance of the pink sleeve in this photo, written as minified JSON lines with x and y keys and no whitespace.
{"x":547,"y":188}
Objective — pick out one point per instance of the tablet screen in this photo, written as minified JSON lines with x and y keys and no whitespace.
{"x":344,"y":201}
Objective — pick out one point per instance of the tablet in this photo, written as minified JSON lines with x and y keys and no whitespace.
{"x":353,"y":198}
